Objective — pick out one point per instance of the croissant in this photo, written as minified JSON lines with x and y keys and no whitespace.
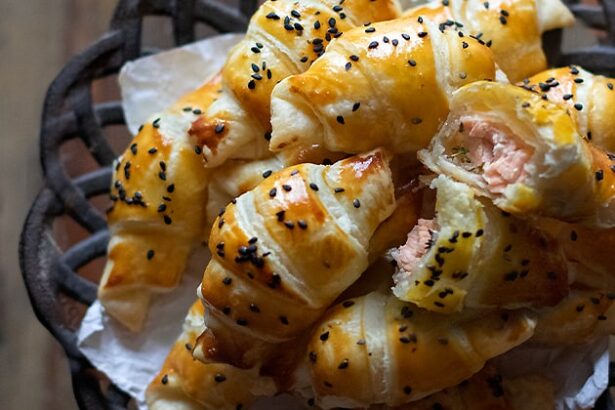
{"x":512,"y":28}
{"x":387,"y":84}
{"x":158,"y":214}
{"x":160,"y":185}
{"x":377,"y":349}
{"x":583,"y":316}
{"x":187,"y":384}
{"x":525,"y":154}
{"x":589,"y":99}
{"x":488,"y":390}
{"x":284,"y":38}
{"x":284,"y":251}
{"x":473,"y":255}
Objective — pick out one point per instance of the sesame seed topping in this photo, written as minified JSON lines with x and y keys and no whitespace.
{"x":599,"y":175}
{"x":219,"y":377}
{"x":422,"y":34}
{"x":242,"y":322}
{"x":405,"y":36}
{"x":313,"y":186}
{"x":373,"y":45}
{"x":171,"y":188}
{"x":273,"y":192}
{"x":152,"y":150}
{"x":340,"y":119}
{"x":339,"y":190}
{"x":289,"y":224}
{"x":287,"y":188}
{"x":167,"y":219}
{"x":324,"y":336}
{"x":578,"y":107}
{"x":412,"y":63}
{"x":283,"y":320}
{"x":150,"y":254}
{"x":479,"y":233}
{"x":407,"y":390}
{"x":348,"y":304}
{"x":227,"y":281}
{"x":343,"y":365}
{"x":302,"y":224}
{"x":356,"y":203}
{"x":165,"y":379}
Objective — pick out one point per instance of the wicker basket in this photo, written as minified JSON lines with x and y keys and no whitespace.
{"x":59,"y":294}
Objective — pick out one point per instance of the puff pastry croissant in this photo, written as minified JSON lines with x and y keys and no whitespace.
{"x":159,"y":191}
{"x":589,"y":98}
{"x":160,"y":187}
{"x":284,"y":38}
{"x":512,"y":28}
{"x":473,"y":255}
{"x":387,"y":84}
{"x":284,"y":251}
{"x":377,"y":349}
{"x":187,"y":384}
{"x":524,"y":153}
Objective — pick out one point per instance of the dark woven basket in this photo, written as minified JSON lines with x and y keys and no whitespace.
{"x":58,"y":289}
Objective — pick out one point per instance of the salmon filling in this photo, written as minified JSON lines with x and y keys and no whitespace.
{"x":420,"y":240}
{"x":497,"y":155}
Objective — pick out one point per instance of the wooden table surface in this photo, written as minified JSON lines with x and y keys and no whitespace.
{"x":37,"y":37}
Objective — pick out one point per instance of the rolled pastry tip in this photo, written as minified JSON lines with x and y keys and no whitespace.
{"x":525,"y":154}
{"x":474,"y":255}
{"x":187,"y":384}
{"x":589,"y":98}
{"x":376,"y":349}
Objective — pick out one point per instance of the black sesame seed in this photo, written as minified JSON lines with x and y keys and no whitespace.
{"x":324,"y":336}
{"x":422,"y":34}
{"x":395,"y":42}
{"x":566,"y":97}
{"x":313,"y":357}
{"x":464,"y":44}
{"x":165,"y":379}
{"x":332,"y":22}
{"x":150,"y":254}
{"x":152,"y":150}
{"x":219,"y":377}
{"x":252,"y":85}
{"x":273,"y":192}
{"x":340,"y":119}
{"x":198,"y":150}
{"x":407,"y":390}
{"x":133,"y":149}
{"x":504,"y":13}
{"x":356,"y":203}
{"x":298,"y":27}
{"x":610,"y":86}
{"x":578,"y":107}
{"x":302,"y":224}
{"x":283,"y":320}
{"x":405,"y":36}
{"x":171,"y":188}
{"x":479,"y":233}
{"x":167,"y":219}
{"x":289,"y":224}
{"x":242,"y":322}
{"x":162,"y":175}
{"x":339,"y":190}
{"x":317,"y":25}
{"x":343,"y":365}
{"x":599,"y":175}
{"x":273,"y":16}
{"x":412,"y":63}
{"x":503,"y":20}
{"x":313,"y":186}
{"x":295,"y":14}
{"x":373,"y":45}
{"x":287,"y":188}
{"x":227,"y":281}
{"x":348,"y":303}
{"x":141,"y":127}
{"x":416,"y":121}
{"x":578,"y":80}
{"x":370,"y":30}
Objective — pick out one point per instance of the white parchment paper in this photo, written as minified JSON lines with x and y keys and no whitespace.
{"x":131,"y":360}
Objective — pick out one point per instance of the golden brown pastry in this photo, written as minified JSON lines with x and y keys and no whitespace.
{"x":386,"y":84}
{"x":488,"y":390}
{"x":590,"y":99}
{"x":235,"y":178}
{"x":284,"y":38}
{"x":377,"y":349}
{"x":473,"y":255}
{"x":525,"y":154}
{"x":512,"y":28}
{"x":184,"y":383}
{"x":284,"y":251}
{"x":583,"y":316}
{"x":159,"y":191}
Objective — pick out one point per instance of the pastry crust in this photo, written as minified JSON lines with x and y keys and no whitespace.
{"x":512,"y":28}
{"x":478,"y":257}
{"x":573,"y":85}
{"x":377,"y":349}
{"x":284,"y":251}
{"x":187,"y":384}
{"x":387,"y":85}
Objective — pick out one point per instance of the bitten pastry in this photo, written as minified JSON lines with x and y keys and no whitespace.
{"x":284,"y":251}
{"x":187,"y":384}
{"x":284,"y":38}
{"x":159,"y":193}
{"x":377,"y":349}
{"x":386,"y":84}
{"x":590,"y":99}
{"x":512,"y":28}
{"x":473,"y":255}
{"x":525,"y":154}
{"x":583,"y":316}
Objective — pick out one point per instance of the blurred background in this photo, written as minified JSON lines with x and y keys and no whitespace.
{"x":37,"y":37}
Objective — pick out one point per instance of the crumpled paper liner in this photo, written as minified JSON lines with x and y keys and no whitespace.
{"x":131,"y":360}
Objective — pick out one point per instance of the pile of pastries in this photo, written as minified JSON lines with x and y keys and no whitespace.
{"x":390,"y":200}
